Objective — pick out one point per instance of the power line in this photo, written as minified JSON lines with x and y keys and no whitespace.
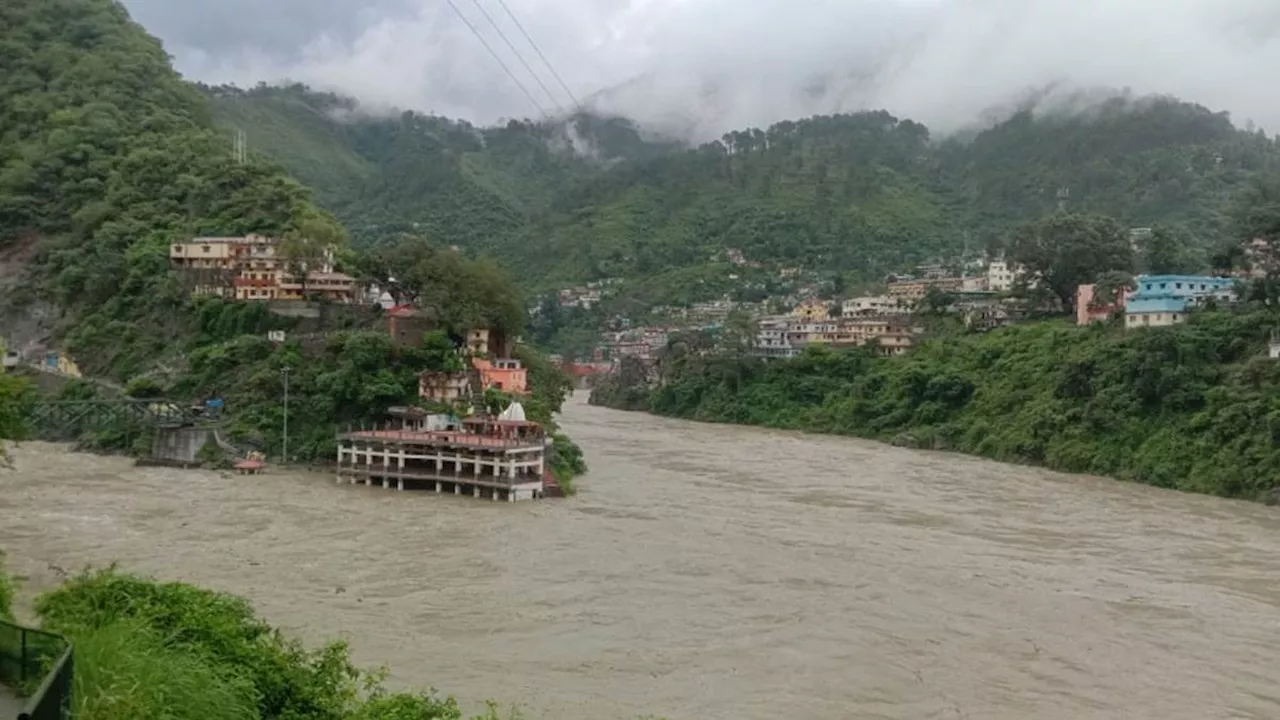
{"x":515,"y":52}
{"x":495,"y":55}
{"x":538,"y":50}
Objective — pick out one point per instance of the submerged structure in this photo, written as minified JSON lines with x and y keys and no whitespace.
{"x":496,"y":458}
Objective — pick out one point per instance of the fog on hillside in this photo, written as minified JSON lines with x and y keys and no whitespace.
{"x":698,"y":67}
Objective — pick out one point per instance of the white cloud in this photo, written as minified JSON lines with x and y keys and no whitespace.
{"x":705,"y":66}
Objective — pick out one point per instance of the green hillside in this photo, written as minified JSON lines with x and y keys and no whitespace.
{"x":107,"y":157}
{"x":394,"y":172}
{"x":859,"y":194}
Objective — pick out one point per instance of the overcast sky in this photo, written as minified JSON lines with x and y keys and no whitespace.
{"x":706,"y":66}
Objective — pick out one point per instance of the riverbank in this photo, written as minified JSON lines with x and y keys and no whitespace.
{"x":1191,"y":407}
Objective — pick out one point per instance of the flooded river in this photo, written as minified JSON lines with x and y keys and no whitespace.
{"x":719,"y":572}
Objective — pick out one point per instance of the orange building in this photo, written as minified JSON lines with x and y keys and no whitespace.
{"x":505,"y":374}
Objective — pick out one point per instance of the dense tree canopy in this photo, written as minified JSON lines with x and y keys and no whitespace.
{"x":1064,"y":250}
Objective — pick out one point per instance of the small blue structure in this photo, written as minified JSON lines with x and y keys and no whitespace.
{"x":1166,"y":299}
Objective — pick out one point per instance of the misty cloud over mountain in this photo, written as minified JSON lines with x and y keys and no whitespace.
{"x":699,"y":67}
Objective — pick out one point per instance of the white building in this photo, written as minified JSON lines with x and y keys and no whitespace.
{"x":1000,"y":276}
{"x":871,"y":305}
{"x":772,"y":340}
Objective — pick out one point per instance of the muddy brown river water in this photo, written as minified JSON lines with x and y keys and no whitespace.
{"x":719,"y":572}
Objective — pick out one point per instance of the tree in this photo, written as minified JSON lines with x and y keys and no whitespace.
{"x":1256,"y":211}
{"x":1065,"y":250}
{"x":1168,"y":251}
{"x":464,"y":293}
{"x":936,"y":301}
{"x":1109,"y":286}
{"x":738,"y":336}
{"x":312,"y":243}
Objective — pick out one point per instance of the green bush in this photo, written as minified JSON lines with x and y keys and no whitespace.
{"x":7,"y":591}
{"x":126,"y":670}
{"x":148,"y":650}
{"x":214,"y":628}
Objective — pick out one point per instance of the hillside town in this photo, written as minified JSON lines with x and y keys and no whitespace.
{"x":978,"y":296}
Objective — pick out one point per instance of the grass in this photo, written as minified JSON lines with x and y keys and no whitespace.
{"x":127,"y":671}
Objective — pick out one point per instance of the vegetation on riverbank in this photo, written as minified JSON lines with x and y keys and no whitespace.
{"x":6,"y":591}
{"x":146,"y":650}
{"x":1193,"y":407}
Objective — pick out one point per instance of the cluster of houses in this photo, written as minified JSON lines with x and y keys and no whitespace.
{"x":586,"y":296}
{"x":1154,"y":301}
{"x":881,"y":321}
{"x":254,"y":268}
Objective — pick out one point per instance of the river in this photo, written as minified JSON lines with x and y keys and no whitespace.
{"x":718,"y":572}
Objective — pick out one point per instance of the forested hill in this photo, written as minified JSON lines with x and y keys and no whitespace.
{"x":862,"y":193}
{"x":107,"y":155}
{"x":462,"y":184}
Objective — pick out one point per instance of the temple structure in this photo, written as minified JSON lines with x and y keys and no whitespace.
{"x":501,"y":459}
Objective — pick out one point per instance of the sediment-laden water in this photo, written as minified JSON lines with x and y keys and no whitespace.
{"x":719,"y":572}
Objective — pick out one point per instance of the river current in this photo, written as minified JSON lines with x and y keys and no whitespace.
{"x":717,"y":572}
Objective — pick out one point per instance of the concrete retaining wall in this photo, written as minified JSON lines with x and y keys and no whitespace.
{"x":180,"y":445}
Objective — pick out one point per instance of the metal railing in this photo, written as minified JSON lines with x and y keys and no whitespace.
{"x":37,"y":664}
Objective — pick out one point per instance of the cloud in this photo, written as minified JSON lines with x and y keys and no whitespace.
{"x":701,"y":67}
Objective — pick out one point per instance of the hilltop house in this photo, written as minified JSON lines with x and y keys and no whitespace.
{"x":871,"y":305}
{"x":251,"y":268}
{"x":1166,"y":299}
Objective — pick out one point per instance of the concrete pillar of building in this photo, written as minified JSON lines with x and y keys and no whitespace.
{"x":475,"y":491}
{"x":385,"y":482}
{"x":457,"y":489}
{"x":400,"y":484}
{"x":437,"y":486}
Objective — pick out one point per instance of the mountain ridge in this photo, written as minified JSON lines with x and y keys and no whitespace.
{"x":859,"y":193}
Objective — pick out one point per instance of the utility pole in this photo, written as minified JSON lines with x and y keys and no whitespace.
{"x":285,"y":371}
{"x":242,"y":147}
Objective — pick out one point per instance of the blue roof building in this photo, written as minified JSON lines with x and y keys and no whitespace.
{"x":1166,"y":299}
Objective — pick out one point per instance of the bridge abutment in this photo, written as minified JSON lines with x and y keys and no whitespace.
{"x":181,"y":445}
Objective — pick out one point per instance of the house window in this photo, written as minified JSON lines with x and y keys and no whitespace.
{"x":1164,"y":286}
{"x":1148,"y":286}
{"x":1178,"y":286}
{"x":204,"y":248}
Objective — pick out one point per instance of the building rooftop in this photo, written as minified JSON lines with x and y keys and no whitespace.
{"x":444,"y":438}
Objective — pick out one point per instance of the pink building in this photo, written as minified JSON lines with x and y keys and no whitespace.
{"x":1088,"y":311}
